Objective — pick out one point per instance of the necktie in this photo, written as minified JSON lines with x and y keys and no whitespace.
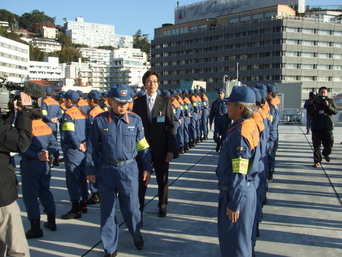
{"x":150,"y":107}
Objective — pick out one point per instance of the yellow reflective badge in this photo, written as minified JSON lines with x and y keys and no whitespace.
{"x":68,"y":126}
{"x":240,"y":165}
{"x":44,"y":112}
{"x":142,"y":144}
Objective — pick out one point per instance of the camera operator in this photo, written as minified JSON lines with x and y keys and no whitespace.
{"x":15,"y":138}
{"x":321,"y":109}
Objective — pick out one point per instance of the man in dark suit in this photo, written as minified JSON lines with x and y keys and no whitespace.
{"x":157,"y":117}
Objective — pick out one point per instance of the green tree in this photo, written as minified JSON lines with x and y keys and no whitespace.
{"x":36,"y":54}
{"x":11,"y":18}
{"x":27,"y":20}
{"x":11,"y":35}
{"x":141,"y":41}
{"x":64,"y":39}
{"x":69,"y":54}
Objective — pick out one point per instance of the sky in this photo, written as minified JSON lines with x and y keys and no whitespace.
{"x":128,"y":16}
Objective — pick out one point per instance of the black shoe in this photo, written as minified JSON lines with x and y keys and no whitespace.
{"x":83,"y":205}
{"x":71,"y":215}
{"x":218,"y":147}
{"x":51,"y":222}
{"x":61,"y":160}
{"x":111,"y":254}
{"x":35,"y":231}
{"x":327,"y":158}
{"x":139,"y":244}
{"x":162,"y":213}
{"x":55,"y":162}
{"x":94,"y":199}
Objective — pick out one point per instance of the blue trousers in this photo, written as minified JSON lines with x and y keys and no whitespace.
{"x":220,"y":129}
{"x":35,"y":178}
{"x":75,"y":177}
{"x":205,"y":121}
{"x":235,"y":238}
{"x":118,"y":182}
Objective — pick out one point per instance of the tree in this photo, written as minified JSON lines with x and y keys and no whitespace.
{"x":27,"y":20}
{"x":11,"y":18}
{"x":64,"y":39}
{"x":36,"y":54}
{"x":141,"y":41}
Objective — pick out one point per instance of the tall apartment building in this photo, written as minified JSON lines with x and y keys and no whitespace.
{"x":94,"y":35}
{"x":266,"y":44}
{"x":49,"y":70}
{"x":14,"y":58}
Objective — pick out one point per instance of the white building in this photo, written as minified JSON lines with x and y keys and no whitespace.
{"x":95,"y":55}
{"x":94,"y":35}
{"x":14,"y":58}
{"x":46,"y":45}
{"x":49,"y":70}
{"x":51,"y":33}
{"x":125,"y":66}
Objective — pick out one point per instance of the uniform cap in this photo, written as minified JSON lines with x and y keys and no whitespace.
{"x":191,"y":91}
{"x":173,"y":92}
{"x":185,"y":91}
{"x":166,"y":93}
{"x":258,"y":96}
{"x":203,"y":90}
{"x":80,"y":93}
{"x":141,"y":93}
{"x":121,"y":93}
{"x":104,"y":94}
{"x":72,"y":95}
{"x":241,"y":94}
{"x":221,"y":90}
{"x":94,"y":94}
{"x":48,"y":90}
{"x":271,"y":88}
{"x":196,"y":90}
{"x":62,"y":94}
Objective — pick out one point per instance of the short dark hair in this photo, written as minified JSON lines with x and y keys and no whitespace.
{"x":36,"y":114}
{"x":322,"y":88}
{"x":149,"y":73}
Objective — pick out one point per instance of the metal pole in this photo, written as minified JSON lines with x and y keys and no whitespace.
{"x":237,"y":73}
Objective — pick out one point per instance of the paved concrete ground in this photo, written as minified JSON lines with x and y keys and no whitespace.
{"x":302,"y":217}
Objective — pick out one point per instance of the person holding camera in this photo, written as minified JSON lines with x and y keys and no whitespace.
{"x":321,"y":109}
{"x":17,"y":139}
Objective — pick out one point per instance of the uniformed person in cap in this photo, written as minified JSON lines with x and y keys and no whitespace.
{"x":116,"y":139}
{"x":74,"y":133}
{"x":236,"y":172}
{"x":93,"y":99}
{"x":218,"y":115}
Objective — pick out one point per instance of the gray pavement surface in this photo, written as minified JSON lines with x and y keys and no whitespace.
{"x":303,"y":216}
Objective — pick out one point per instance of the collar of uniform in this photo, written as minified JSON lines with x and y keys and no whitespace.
{"x":235,"y":124}
{"x":111,"y":116}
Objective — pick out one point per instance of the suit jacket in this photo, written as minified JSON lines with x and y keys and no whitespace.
{"x":159,"y":133}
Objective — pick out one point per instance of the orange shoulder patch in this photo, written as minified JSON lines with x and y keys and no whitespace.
{"x":249,"y":130}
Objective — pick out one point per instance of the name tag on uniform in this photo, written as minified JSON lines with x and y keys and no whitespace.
{"x":160,"y":118}
{"x":321,"y":112}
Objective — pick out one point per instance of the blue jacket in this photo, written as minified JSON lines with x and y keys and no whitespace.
{"x":51,"y":109}
{"x":116,"y":139}
{"x":238,"y":161}
{"x":218,"y":109}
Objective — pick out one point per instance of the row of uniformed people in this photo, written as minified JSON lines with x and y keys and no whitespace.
{"x":244,"y":166}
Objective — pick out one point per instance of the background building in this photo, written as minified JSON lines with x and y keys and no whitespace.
{"x":272,"y":44}
{"x":14,"y":60}
{"x":95,"y":35}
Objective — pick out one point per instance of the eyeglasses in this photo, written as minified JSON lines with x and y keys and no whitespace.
{"x":154,"y":82}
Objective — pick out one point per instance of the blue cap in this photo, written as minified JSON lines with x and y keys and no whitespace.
{"x":72,"y":95}
{"x":173,"y":92}
{"x":135,"y":91}
{"x":241,"y":94}
{"x":104,"y":94}
{"x":48,"y":90}
{"x":185,"y":91}
{"x":62,"y":94}
{"x":271,"y":88}
{"x":94,"y":94}
{"x":191,"y":91}
{"x":141,"y":93}
{"x":158,"y":92}
{"x":202,"y":89}
{"x":221,"y":90}
{"x":196,"y":90}
{"x":80,"y":93}
{"x":166,"y":93}
{"x":121,"y":93}
{"x":258,"y":96}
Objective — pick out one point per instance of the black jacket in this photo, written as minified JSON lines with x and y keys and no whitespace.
{"x":12,"y":139}
{"x":322,"y":114}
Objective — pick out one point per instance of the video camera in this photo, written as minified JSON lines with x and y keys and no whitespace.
{"x":10,"y":91}
{"x":319,"y":99}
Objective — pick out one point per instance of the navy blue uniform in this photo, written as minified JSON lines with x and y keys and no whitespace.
{"x":35,"y":174}
{"x":113,"y":144}
{"x":218,"y":114}
{"x":74,"y":130}
{"x":236,"y":172}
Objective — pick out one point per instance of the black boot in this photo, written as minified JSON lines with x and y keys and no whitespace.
{"x":218,"y":145}
{"x":51,"y":222}
{"x":56,"y":161}
{"x":74,"y":213}
{"x":83,"y":205}
{"x":35,"y":231}
{"x":94,"y":199}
